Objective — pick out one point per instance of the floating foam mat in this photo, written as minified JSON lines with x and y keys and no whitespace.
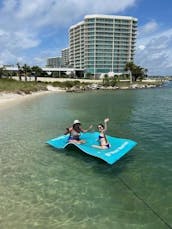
{"x":119,"y":146}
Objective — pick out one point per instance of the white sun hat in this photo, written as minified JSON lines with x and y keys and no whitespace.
{"x":76,"y":121}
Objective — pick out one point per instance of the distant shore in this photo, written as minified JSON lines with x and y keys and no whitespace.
{"x":7,"y":98}
{"x":92,"y":81}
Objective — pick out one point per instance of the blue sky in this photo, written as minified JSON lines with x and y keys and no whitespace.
{"x":32,"y":31}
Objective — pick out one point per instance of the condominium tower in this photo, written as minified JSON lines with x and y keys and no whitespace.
{"x":102,"y":43}
{"x":65,"y":57}
{"x":54,"y":62}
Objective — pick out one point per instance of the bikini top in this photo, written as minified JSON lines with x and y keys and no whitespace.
{"x":101,"y":137}
{"x":74,"y":133}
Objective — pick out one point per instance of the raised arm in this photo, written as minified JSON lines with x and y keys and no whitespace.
{"x":105,"y":122}
{"x":89,"y":128}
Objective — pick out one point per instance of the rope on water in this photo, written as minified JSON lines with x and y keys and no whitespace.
{"x":145,"y":203}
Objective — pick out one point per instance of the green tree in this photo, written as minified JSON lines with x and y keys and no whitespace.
{"x":26,"y":70}
{"x":8,"y":73}
{"x":19,"y":72}
{"x":137,"y":72}
{"x":113,"y":81}
{"x":37,"y":72}
{"x":106,"y":82}
{"x":1,"y":71}
{"x":88,"y":75}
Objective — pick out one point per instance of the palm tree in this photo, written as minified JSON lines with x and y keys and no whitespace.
{"x":135,"y":71}
{"x":106,"y":82}
{"x":19,"y":72}
{"x":26,"y":69}
{"x":37,"y":72}
{"x":1,"y":71}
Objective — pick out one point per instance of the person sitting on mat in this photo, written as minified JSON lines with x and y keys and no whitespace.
{"x":75,"y":131}
{"x":103,"y":142}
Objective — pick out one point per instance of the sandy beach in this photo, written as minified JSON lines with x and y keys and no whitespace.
{"x":6,"y":99}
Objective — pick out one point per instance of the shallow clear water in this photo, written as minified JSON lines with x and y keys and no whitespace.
{"x":44,"y":188}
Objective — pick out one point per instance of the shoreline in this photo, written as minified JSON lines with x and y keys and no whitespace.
{"x":6,"y":98}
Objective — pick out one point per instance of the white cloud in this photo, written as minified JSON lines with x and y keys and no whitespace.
{"x":8,"y":57}
{"x":31,"y":31}
{"x":25,"y":40}
{"x":25,"y":23}
{"x":150,"y":27}
{"x":17,"y":40}
{"x":42,"y":12}
{"x":8,"y":6}
{"x":57,"y":11}
{"x":141,"y":47}
{"x":156,"y":54}
{"x":2,"y":33}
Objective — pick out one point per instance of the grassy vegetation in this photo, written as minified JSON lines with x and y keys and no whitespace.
{"x":69,"y":84}
{"x":19,"y":87}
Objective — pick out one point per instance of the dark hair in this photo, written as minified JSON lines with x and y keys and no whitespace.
{"x":100,"y":124}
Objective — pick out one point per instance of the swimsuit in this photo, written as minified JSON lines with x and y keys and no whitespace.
{"x":107,"y":144}
{"x":101,"y":137}
{"x":73,"y":138}
{"x":74,"y":135}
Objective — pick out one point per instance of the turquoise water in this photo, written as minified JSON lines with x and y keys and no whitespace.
{"x":44,"y":188}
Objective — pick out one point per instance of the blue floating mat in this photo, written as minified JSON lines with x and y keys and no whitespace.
{"x":119,"y":146}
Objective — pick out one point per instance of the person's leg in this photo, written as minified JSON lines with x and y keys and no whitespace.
{"x":100,"y":147}
{"x":77,"y":142}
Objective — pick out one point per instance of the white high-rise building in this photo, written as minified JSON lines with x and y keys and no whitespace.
{"x":65,"y":57}
{"x":102,"y":43}
{"x":54,"y":62}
